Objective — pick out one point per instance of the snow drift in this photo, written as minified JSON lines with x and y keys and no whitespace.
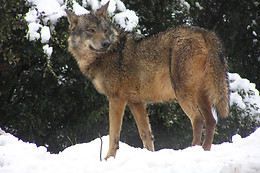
{"x":240,"y":156}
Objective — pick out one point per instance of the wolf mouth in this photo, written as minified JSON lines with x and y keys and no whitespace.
{"x":98,"y":50}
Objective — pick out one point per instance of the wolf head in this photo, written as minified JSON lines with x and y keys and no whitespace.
{"x":91,"y":33}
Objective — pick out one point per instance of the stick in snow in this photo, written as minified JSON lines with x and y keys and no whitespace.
{"x":100,"y":147}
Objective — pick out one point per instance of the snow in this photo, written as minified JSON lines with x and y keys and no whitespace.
{"x":93,"y":3}
{"x":50,"y":12}
{"x":120,"y":5}
{"x":127,"y":20}
{"x":197,"y":4}
{"x":241,"y":156}
{"x":185,"y":4}
{"x":33,"y":31}
{"x":244,"y":94}
{"x":112,"y":6}
{"x":79,"y":10}
{"x":45,"y":34}
{"x":47,"y":50}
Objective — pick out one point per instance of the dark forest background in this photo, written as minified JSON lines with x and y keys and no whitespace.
{"x":38,"y":106}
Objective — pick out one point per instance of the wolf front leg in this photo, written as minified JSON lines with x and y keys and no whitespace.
{"x":116,"y":112}
{"x":141,"y":117}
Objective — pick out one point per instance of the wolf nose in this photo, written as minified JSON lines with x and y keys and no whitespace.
{"x":105,"y":44}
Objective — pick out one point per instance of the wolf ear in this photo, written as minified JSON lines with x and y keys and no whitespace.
{"x":103,"y":10}
{"x":72,"y":18}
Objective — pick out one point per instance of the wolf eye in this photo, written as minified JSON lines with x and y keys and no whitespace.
{"x":91,"y":30}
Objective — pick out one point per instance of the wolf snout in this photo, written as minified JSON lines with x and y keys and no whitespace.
{"x":105,"y":44}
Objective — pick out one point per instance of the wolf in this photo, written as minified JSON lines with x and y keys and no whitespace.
{"x":185,"y":63}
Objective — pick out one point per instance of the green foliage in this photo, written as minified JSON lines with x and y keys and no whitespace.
{"x":64,"y":109}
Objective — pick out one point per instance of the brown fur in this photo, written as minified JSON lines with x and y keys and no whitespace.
{"x":185,"y":63}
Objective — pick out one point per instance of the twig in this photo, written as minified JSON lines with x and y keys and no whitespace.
{"x":100,"y":147}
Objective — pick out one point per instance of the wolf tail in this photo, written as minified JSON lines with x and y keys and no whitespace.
{"x":219,"y":92}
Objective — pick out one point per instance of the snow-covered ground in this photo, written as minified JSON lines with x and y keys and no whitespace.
{"x":241,"y":156}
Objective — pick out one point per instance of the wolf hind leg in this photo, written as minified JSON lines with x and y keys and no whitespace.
{"x":197,"y":126}
{"x":116,"y":112}
{"x":141,"y":117}
{"x":210,"y":122}
{"x":189,"y":107}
